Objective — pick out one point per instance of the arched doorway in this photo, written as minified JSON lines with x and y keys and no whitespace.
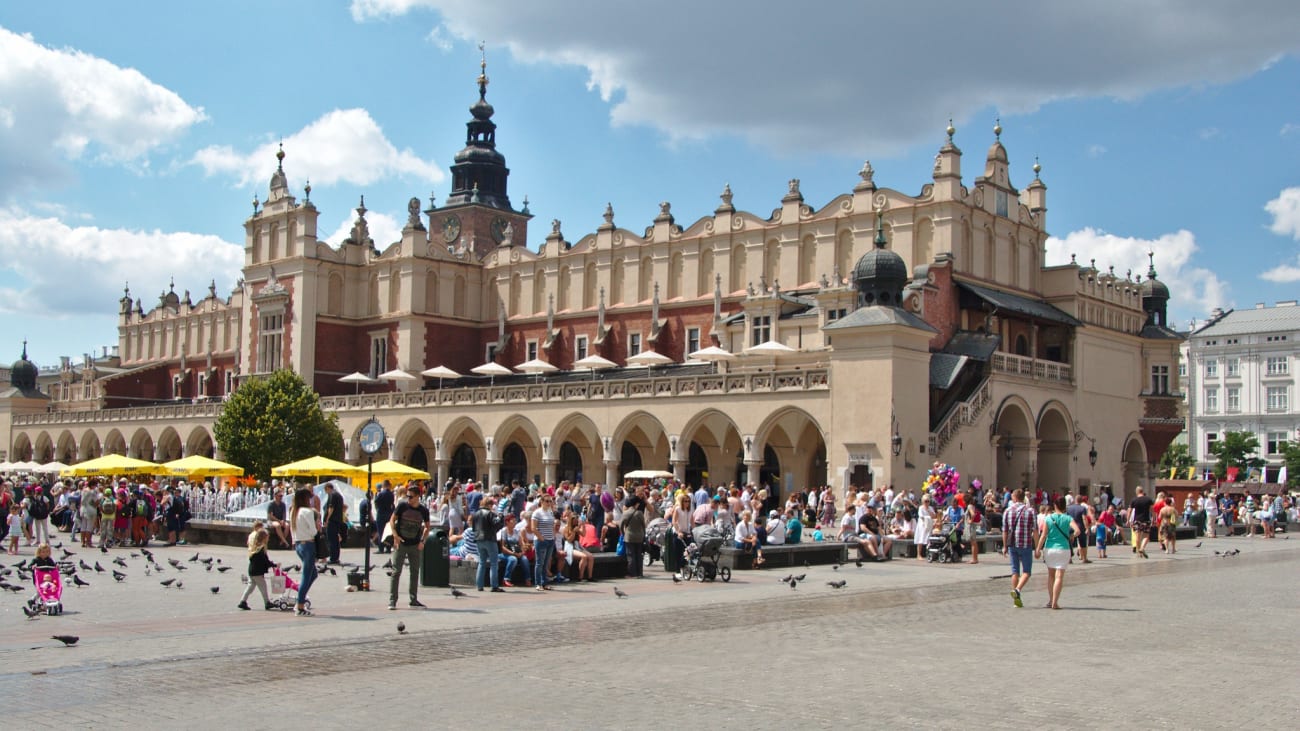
{"x":697,"y":465}
{"x":629,"y":459}
{"x":769,"y":475}
{"x":464,"y":465}
{"x":1011,"y":440}
{"x":419,"y":458}
{"x":514,"y":464}
{"x":1056,"y":451}
{"x":570,"y":466}
{"x":715,"y":436}
{"x":1135,"y":466}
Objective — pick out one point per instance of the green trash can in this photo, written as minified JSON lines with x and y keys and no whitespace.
{"x":668,"y":555}
{"x":435,"y":562}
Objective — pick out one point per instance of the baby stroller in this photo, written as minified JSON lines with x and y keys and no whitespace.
{"x":49,"y":591}
{"x":944,"y":547}
{"x":656,"y":540}
{"x":703,"y":553}
{"x":284,"y":589}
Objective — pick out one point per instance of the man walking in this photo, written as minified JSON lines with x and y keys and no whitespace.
{"x":1139,"y":520}
{"x":383,"y":507}
{"x":410,"y":524}
{"x":1020,"y":535}
{"x":1081,"y":513}
{"x":487,"y":524}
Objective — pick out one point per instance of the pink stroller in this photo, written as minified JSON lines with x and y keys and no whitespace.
{"x":284,"y":589}
{"x":49,"y":591}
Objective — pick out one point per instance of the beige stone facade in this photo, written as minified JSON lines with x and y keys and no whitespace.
{"x":987,"y":359}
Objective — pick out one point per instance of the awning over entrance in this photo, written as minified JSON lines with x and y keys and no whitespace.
{"x":1007,"y":302}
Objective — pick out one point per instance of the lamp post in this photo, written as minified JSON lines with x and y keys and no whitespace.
{"x":372,"y":438}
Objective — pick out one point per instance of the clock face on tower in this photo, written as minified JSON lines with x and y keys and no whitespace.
{"x":499,"y":229}
{"x":451,"y":229}
{"x":372,"y":437}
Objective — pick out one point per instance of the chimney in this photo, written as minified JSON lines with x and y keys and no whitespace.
{"x":1259,"y":305}
{"x":1286,"y":303}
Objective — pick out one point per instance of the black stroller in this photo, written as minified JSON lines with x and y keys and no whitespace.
{"x":656,"y":540}
{"x":703,"y":554}
{"x":944,"y":547}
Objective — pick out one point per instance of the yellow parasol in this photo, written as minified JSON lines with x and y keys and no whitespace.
{"x":315,"y":467}
{"x":387,"y":469}
{"x":113,"y":464}
{"x":196,"y":465}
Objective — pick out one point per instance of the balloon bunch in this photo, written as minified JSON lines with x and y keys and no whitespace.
{"x":941,"y":482}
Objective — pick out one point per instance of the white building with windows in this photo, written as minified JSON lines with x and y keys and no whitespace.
{"x":1240,"y":376}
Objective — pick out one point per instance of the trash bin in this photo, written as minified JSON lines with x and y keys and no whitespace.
{"x":435,"y":562}
{"x":669,"y":552}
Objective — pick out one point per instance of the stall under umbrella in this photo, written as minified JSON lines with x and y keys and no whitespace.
{"x":113,"y":464}
{"x":198,"y":466}
{"x":317,"y":467}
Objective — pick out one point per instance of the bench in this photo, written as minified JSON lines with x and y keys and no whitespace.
{"x":226,"y":533}
{"x":796,"y":554}
{"x":607,"y":566}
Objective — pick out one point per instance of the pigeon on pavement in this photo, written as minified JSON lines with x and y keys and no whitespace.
{"x":118,"y":576}
{"x":837,"y":584}
{"x":214,"y":589}
{"x":620,"y":593}
{"x":31,"y":613}
{"x":456,"y":593}
{"x":167,"y":582}
{"x":401,"y":628}
{"x":78,"y":581}
{"x":67,"y":640}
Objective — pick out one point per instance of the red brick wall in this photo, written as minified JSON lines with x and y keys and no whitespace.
{"x":459,"y":347}
{"x":671,"y":342}
{"x":942,"y":311}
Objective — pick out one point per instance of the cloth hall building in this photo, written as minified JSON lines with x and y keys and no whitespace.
{"x":853,"y":342}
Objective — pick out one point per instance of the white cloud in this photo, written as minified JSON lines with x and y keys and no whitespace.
{"x":343,"y":145}
{"x":1208,"y":133}
{"x":694,"y":69}
{"x":1289,"y":128}
{"x":384,"y":229}
{"x":62,"y":105}
{"x":438,"y":37}
{"x":1096,"y":150}
{"x":69,"y":271}
{"x":1194,"y":291}
{"x":1285,"y":209}
{"x":1283,"y":273}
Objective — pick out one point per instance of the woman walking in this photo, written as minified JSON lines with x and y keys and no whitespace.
{"x":1054,"y":543}
{"x":633,"y":525}
{"x":306,"y":524}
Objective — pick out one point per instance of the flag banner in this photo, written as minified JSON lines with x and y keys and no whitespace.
{"x":1173,"y":472}
{"x":1281,"y":475}
{"x":1191,"y":472}
{"x":1232,"y":473}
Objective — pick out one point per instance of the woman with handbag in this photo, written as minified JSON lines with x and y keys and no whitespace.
{"x":306,"y":527}
{"x":1054,"y":548}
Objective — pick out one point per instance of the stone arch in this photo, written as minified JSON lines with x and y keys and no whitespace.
{"x":395,"y":291}
{"x":807,"y":260}
{"x":676,"y":275}
{"x":589,"y":286}
{"x":647,"y":436}
{"x":373,"y":295}
{"x":843,"y":255}
{"x":645,"y":279}
{"x":431,"y":291}
{"x":466,"y":449}
{"x":1056,"y":447}
{"x":616,"y":282}
{"x":923,"y":244}
{"x":141,"y":445}
{"x":22,"y":448}
{"x":564,"y":293}
{"x":519,"y":447}
{"x":715,"y":435}
{"x":795,"y":439}
{"x":772,"y":260}
{"x":516,"y":291}
{"x":114,"y":443}
{"x":65,"y":448}
{"x":168,"y":446}
{"x":704,"y":272}
{"x":413,"y":445}
{"x":580,"y":433}
{"x":1013,"y":426}
{"x":539,"y":290}
{"x":458,"y":296}
{"x":200,"y":442}
{"x":89,"y":447}
{"x":334,"y":287}
{"x":738,"y":267}
{"x":1135,"y":464}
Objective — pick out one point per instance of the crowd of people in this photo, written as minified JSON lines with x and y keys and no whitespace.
{"x":98,"y":511}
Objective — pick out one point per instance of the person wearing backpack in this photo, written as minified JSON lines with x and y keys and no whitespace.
{"x":39,"y":510}
{"x":107,"y":516}
{"x":141,"y":517}
{"x":177,"y":516}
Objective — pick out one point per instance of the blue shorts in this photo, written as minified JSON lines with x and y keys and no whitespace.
{"x":1101,"y":537}
{"x":1022,"y":560}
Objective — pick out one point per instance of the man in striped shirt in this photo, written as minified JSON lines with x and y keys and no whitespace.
{"x":1019,"y":536}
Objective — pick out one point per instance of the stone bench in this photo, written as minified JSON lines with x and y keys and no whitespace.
{"x":796,"y":554}
{"x":607,"y":566}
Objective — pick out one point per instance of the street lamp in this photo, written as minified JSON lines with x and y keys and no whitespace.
{"x":1007,"y":447}
{"x":1079,"y":436}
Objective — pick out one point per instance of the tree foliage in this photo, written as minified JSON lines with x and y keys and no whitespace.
{"x":1238,"y":449}
{"x":1291,"y":458}
{"x":1177,"y":456}
{"x":275,"y":420}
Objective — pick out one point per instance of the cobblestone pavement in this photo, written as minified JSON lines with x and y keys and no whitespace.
{"x":1189,"y":641}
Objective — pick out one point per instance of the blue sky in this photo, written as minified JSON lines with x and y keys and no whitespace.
{"x":133,"y":136}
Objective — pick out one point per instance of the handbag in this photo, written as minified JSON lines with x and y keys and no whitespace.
{"x":621,"y":550}
{"x":322,"y":548}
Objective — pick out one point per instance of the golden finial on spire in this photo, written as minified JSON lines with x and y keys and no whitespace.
{"x":997,"y":127}
{"x":951,"y":129}
{"x":1037,"y":168}
{"x":482,"y":68}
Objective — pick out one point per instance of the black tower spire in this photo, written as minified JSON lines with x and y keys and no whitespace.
{"x":479,"y":165}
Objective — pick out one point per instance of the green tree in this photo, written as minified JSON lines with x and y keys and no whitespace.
{"x":1291,"y":458}
{"x":1238,"y":449}
{"x":1177,"y":456}
{"x":273,"y":420}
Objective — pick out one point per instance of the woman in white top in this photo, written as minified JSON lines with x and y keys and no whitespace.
{"x":747,"y":538}
{"x":924,"y":527}
{"x":306,"y":523}
{"x":679,"y":516}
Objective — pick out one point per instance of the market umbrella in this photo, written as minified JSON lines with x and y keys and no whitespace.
{"x":196,"y":465}
{"x":440,"y":372}
{"x":770,"y":347}
{"x":712,"y":354}
{"x":6,"y":465}
{"x":648,"y":358}
{"x":51,"y":468}
{"x":113,"y":464}
{"x":647,"y":475}
{"x":24,"y":466}
{"x":358,"y":378}
{"x":536,"y":366}
{"x":492,"y":369}
{"x":594,"y":363}
{"x":313,"y":466}
{"x":388,"y":469}
{"x":398,"y":376}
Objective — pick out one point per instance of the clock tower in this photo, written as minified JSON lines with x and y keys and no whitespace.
{"x":478,"y":212}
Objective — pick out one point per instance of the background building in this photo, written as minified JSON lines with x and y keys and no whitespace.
{"x":1240,"y":375}
{"x":869,"y":337}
